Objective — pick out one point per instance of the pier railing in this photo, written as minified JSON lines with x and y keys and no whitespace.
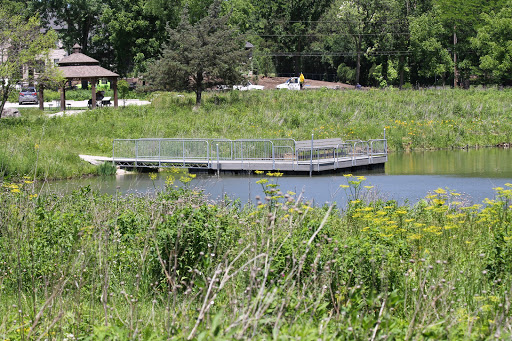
{"x":209,"y":153}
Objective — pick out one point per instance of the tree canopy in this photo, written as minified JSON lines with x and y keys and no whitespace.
{"x":200,"y":55}
{"x":494,"y":43}
{"x":21,"y":45}
{"x":370,"y":42}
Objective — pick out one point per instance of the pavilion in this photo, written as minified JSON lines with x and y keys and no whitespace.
{"x":78,"y":66}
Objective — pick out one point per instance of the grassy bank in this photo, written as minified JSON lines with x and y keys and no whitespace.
{"x":176,"y":267}
{"x":413,"y":120}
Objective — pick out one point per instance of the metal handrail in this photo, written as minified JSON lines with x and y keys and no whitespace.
{"x":195,"y":151}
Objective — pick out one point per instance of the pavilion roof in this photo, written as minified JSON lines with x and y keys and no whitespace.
{"x":78,"y":59}
{"x":78,"y":65}
{"x":86,"y":71}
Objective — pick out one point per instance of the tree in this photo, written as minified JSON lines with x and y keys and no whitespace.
{"x":123,"y":88}
{"x":429,"y":56}
{"x":130,"y":34}
{"x":286,"y":26}
{"x":353,"y":22}
{"x":494,"y":44}
{"x":462,"y":19}
{"x":200,"y":55}
{"x":21,"y":44}
{"x":79,"y":19}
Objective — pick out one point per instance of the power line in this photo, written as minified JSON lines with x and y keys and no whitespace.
{"x":332,"y":53}
{"x":342,"y":20}
{"x":332,"y":34}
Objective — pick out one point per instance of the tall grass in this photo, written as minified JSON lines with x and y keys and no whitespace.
{"x":177,"y":266}
{"x":427,"y":119}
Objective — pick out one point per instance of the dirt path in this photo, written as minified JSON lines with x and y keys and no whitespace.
{"x":272,"y":82}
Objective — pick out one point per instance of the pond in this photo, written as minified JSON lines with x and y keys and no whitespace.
{"x":407,"y":178}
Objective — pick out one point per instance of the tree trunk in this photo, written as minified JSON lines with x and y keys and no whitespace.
{"x":40,"y":95}
{"x":199,"y":87}
{"x":455,"y":76}
{"x":3,"y":100}
{"x":198,"y":97}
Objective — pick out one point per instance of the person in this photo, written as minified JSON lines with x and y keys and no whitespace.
{"x":301,"y":80}
{"x":99,"y":95}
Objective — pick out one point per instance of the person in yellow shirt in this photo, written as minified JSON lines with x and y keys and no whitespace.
{"x":301,"y":80}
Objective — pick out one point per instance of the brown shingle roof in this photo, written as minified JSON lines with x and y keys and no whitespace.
{"x":78,"y":59}
{"x":86,"y":71}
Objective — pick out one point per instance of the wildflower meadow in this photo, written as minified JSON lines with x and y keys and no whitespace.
{"x":178,"y":266}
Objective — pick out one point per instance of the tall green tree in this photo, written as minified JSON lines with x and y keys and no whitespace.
{"x":21,"y":44}
{"x":130,"y":34}
{"x":200,"y":55}
{"x":286,"y":26}
{"x":357,"y":26}
{"x":429,"y":56}
{"x":461,"y":19}
{"x":494,"y":45}
{"x":79,"y":19}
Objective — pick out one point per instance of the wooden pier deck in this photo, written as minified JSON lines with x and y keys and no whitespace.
{"x":220,"y":155}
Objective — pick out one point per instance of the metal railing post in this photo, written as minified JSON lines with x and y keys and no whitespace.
{"x":371,"y":152}
{"x":218,"y":165}
{"x":114,"y":153}
{"x":242,"y":153}
{"x":311,"y":160}
{"x":207,"y":154}
{"x":136,"y":152}
{"x":273,"y":157}
{"x":160,"y":153}
{"x":354,"y":154}
{"x":183,"y":146}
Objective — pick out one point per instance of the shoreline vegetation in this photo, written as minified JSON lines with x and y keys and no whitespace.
{"x":48,"y":148}
{"x":176,"y":266}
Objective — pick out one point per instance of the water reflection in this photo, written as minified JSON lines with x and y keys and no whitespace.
{"x":484,"y":162}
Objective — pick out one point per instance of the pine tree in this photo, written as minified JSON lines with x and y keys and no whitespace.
{"x":201,"y":55}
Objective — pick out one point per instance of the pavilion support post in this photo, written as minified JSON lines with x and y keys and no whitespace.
{"x":63,"y":97}
{"x":93,"y":89}
{"x":114,"y":83}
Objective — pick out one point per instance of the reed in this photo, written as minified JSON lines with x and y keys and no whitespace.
{"x":427,"y":119}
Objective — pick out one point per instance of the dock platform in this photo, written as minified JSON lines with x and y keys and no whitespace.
{"x":221,"y":155}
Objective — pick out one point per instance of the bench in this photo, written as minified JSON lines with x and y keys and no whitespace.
{"x":105,"y":101}
{"x":318,"y":144}
{"x":324,"y":148}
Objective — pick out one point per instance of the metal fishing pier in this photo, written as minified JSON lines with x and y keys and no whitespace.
{"x":222,"y":155}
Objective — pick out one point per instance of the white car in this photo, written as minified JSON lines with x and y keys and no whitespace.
{"x":291,"y":84}
{"x":248,"y":86}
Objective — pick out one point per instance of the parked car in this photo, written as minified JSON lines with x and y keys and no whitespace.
{"x":222,"y":87}
{"x":248,"y":86}
{"x":28,"y":95}
{"x":291,"y":84}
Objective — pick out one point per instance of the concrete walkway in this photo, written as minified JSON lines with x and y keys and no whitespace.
{"x":74,"y":104}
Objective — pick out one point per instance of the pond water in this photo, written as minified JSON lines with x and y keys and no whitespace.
{"x":407,"y":178}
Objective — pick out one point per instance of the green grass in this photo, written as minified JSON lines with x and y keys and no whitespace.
{"x":430,"y":119}
{"x":176,"y":266}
